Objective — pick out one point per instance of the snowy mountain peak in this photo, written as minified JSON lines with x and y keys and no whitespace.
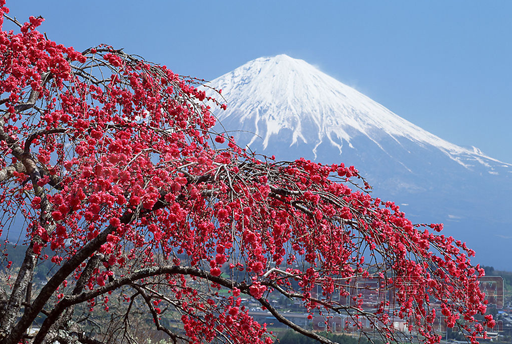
{"x":270,"y":95}
{"x":296,"y":111}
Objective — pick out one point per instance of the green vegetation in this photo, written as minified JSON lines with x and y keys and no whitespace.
{"x":16,"y":253}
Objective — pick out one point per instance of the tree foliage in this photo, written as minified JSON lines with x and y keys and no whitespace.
{"x":111,"y":164}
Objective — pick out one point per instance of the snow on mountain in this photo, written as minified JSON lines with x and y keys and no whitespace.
{"x":284,"y":106}
{"x":271,"y":94}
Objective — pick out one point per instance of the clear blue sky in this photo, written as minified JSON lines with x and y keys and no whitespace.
{"x":443,"y":65}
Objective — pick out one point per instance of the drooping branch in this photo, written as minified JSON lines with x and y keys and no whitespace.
{"x":69,"y":301}
{"x":175,"y":337}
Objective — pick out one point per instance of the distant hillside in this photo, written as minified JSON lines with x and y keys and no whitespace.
{"x":16,"y":254}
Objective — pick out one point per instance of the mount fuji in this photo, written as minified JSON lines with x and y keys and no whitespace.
{"x":286,"y":107}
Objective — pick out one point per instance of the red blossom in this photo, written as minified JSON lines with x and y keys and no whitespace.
{"x":215,"y":272}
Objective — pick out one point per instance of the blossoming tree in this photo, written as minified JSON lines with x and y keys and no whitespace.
{"x":110,"y":167}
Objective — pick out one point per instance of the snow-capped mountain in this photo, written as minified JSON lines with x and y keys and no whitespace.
{"x":277,"y":93}
{"x":284,"y":106}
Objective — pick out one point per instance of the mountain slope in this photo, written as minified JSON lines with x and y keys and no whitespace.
{"x":286,"y":107}
{"x":278,"y":93}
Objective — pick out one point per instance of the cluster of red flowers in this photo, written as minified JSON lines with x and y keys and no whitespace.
{"x":123,"y":160}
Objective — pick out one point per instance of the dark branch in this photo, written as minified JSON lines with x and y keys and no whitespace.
{"x":69,"y":301}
